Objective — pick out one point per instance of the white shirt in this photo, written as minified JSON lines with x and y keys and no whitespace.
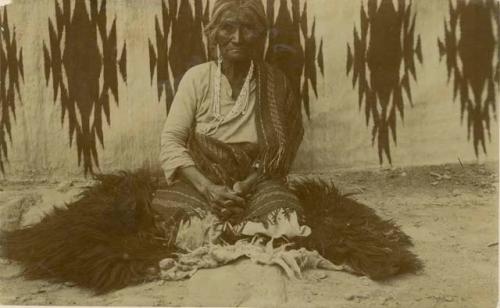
{"x":193,"y":104}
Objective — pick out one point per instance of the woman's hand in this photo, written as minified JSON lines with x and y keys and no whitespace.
{"x":243,"y":188}
{"x":222,"y":195}
{"x":224,"y":199}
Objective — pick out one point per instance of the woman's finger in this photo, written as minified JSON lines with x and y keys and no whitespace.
{"x":222,"y":201}
{"x":236,"y":210}
{"x":237,"y":199}
{"x":225,"y":213}
{"x":228,"y":203}
{"x":218,"y":208}
{"x":238,"y":188}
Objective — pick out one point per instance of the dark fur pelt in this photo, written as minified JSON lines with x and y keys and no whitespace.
{"x":104,"y":241}
{"x":348,"y":232}
{"x":110,"y":237}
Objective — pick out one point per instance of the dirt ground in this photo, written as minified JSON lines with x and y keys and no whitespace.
{"x":450,"y":211}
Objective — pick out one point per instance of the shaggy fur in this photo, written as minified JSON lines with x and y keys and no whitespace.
{"x":104,"y":241}
{"x":110,"y":238}
{"x":348,"y":232}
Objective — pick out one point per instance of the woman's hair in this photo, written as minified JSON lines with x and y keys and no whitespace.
{"x":254,"y":7}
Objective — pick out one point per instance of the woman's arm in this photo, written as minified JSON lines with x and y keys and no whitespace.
{"x":173,"y":152}
{"x":174,"y":155}
{"x":218,"y":195}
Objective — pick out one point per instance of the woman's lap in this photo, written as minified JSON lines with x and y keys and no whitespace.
{"x":272,"y":210}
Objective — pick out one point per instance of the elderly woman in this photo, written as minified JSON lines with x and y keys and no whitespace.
{"x":228,"y":143}
{"x":230,"y":137}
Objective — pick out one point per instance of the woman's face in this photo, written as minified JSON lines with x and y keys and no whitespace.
{"x":237,"y":35}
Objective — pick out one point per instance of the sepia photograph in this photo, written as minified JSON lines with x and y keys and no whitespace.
{"x":249,"y":153}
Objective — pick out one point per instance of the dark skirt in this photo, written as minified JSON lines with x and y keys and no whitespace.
{"x":269,"y":205}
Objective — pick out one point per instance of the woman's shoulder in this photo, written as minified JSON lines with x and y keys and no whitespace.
{"x":199,"y":71}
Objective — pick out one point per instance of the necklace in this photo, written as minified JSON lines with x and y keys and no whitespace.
{"x":240,"y":106}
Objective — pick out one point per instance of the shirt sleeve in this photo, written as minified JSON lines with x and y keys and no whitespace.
{"x":173,"y":151}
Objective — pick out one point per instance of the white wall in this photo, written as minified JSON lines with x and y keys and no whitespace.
{"x":336,"y":135}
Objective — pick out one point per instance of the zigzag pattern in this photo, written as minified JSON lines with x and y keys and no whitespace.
{"x":11,"y":73}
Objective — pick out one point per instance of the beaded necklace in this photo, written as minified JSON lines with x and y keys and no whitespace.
{"x":240,"y":106}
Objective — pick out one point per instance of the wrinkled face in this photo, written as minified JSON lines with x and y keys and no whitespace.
{"x":238,"y":35}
